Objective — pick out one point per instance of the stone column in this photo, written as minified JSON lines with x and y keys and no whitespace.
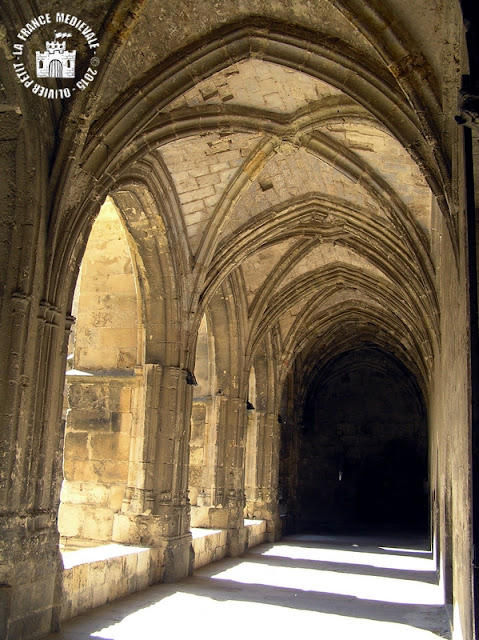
{"x":263,"y":502}
{"x":203,"y":459}
{"x":227,"y":499}
{"x":157,"y":513}
{"x":31,"y":570}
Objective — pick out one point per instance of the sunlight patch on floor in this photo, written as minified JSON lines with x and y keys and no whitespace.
{"x":355,"y":557}
{"x":366,"y":587}
{"x":251,"y":619}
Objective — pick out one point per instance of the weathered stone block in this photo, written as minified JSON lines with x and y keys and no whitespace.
{"x":116,"y":495}
{"x":121,"y":422}
{"x":115,"y":337}
{"x":33,"y":625}
{"x":98,"y":523}
{"x":84,"y":471}
{"x":111,"y":471}
{"x":110,"y":446}
{"x":196,"y":456}
{"x":126,"y":358}
{"x":218,"y":518}
{"x":125,"y":399}
{"x":76,"y":445}
{"x":70,"y":520}
{"x":87,"y":396}
{"x":32,"y":596}
{"x":85,"y":493}
{"x":88,"y":420}
{"x":194,"y":207}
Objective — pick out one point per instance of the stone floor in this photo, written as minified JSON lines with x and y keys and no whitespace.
{"x":331,"y":588}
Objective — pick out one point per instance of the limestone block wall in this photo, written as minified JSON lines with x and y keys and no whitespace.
{"x":97,"y":452}
{"x":202,"y":460}
{"x":209,"y":545}
{"x":105,"y":336}
{"x":93,"y":577}
{"x":197,"y":452}
{"x":451,"y":441}
{"x":257,"y":532}
{"x":96,"y":575}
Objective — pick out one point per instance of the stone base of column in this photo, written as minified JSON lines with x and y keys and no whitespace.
{"x":30,"y":576}
{"x":260,"y":510}
{"x":175,"y":558}
{"x":237,"y":541}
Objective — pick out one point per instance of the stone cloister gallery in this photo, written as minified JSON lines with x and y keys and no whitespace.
{"x":238,"y":287}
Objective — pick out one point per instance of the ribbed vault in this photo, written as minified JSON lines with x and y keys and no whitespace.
{"x":286,"y":189}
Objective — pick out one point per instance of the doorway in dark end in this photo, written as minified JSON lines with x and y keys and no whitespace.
{"x":363,"y":463}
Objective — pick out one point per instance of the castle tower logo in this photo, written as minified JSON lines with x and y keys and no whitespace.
{"x":55,"y":66}
{"x":56,"y":61}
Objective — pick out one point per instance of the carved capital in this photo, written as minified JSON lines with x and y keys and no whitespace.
{"x":49,"y":314}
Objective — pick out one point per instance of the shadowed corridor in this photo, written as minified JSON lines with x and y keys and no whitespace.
{"x":333,"y":587}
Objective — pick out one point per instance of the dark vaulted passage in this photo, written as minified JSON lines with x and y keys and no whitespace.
{"x":363,"y":461}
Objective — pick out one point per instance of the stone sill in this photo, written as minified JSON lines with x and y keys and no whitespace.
{"x":74,"y":557}
{"x":104,"y":374}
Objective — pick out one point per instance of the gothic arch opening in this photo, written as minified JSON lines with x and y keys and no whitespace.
{"x":202,"y":456}
{"x":102,"y":392}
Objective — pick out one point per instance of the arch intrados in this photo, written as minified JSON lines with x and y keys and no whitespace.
{"x":318,"y":374}
{"x":225,"y":330}
{"x":158,"y":278}
{"x":142,"y":188}
{"x":279,"y":223}
{"x":302,"y":51}
{"x":378,"y":188}
{"x":275,"y":43}
{"x":80,"y":225}
{"x":329,"y":151}
{"x":330,"y":279}
{"x":263,"y":363}
{"x":301,"y":133}
{"x":359,"y":172}
{"x":387,"y":331}
{"x":194,"y":121}
{"x":327,"y":280}
{"x":318,"y":279}
{"x":150,"y":177}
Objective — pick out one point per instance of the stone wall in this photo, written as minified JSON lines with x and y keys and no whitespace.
{"x":102,"y":411}
{"x":106,"y":333}
{"x":92,"y":577}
